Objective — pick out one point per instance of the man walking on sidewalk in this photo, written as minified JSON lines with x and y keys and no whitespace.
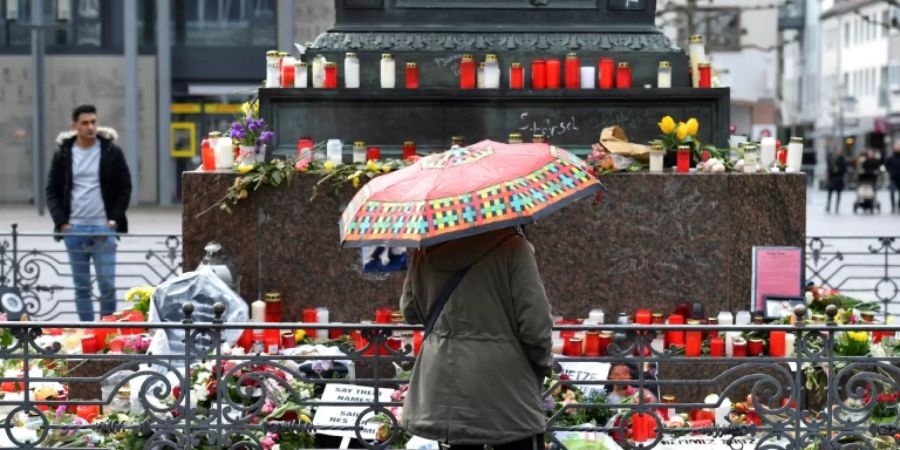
{"x":88,"y":191}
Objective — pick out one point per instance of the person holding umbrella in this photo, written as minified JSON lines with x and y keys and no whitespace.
{"x":474,"y":284}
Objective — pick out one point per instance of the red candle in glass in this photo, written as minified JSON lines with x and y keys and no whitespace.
{"x":383,"y":315}
{"x":373,"y":153}
{"x":607,"y":73}
{"x":643,"y":427}
{"x":538,"y":74}
{"x":592,"y":343}
{"x":693,"y":341}
{"x":605,"y":339}
{"x":739,"y":348}
{"x":716,"y":347}
{"x":310,"y":315}
{"x":623,"y":76}
{"x":334,"y":333}
{"x":287,"y":75}
{"x":88,"y":412}
{"x":271,"y":340}
{"x":705,"y":75}
{"x":675,"y":337}
{"x":330,"y":75}
{"x":273,"y":307}
{"x":553,"y":69}
{"x":409,"y":149}
{"x":573,"y":347}
{"x":88,"y":343}
{"x":755,"y":347}
{"x":643,"y":317}
{"x":573,"y":71}
{"x":412,"y":75}
{"x":207,"y":155}
{"x":516,"y":76}
{"x":467,"y":72}
{"x":417,"y":342}
{"x":684,"y":159}
{"x":776,"y":344}
{"x":288,"y":340}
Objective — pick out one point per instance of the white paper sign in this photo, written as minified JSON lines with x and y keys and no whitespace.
{"x":586,"y":371}
{"x":709,"y":443}
{"x":347,"y":415}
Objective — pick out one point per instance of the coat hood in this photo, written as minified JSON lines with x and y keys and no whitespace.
{"x":105,"y":133}
{"x":459,"y":253}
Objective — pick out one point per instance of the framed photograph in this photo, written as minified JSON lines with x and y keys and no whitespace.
{"x":778,"y":307}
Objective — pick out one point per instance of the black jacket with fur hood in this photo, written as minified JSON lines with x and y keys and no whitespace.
{"x":115,"y":179}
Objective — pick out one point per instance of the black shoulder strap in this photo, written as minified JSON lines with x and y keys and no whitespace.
{"x":439,"y":303}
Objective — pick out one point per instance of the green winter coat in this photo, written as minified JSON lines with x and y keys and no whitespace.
{"x":478,"y":377}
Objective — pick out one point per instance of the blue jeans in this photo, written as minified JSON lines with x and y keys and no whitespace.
{"x":97,"y":243}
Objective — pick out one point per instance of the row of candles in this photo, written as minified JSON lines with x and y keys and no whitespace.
{"x":545,"y":73}
{"x":727,"y":344}
{"x":757,"y":157}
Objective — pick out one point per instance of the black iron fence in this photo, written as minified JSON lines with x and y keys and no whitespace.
{"x":803,"y":387}
{"x":864,"y":267}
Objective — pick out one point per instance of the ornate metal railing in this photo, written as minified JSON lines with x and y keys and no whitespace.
{"x":867,"y":268}
{"x":820,"y":395}
{"x":39,"y":267}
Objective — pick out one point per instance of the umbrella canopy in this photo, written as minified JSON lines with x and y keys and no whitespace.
{"x":465,"y":191}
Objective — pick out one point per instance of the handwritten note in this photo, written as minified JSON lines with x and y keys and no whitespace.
{"x":586,"y":371}
{"x":777,"y":271}
{"x":330,"y":416}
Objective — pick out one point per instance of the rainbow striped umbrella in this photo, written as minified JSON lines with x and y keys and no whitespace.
{"x":465,"y":191}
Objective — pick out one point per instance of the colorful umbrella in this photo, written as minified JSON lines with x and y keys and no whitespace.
{"x":465,"y":191}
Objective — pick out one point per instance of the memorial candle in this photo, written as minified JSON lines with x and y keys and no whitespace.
{"x":388,"y":71}
{"x":330,"y":75}
{"x":479,"y":77}
{"x":693,"y":340}
{"x":683,"y":162}
{"x":790,"y":342}
{"x":409,"y":149}
{"x":697,"y":55}
{"x":573,"y":347}
{"x":351,"y":71}
{"x":592,"y":343}
{"x":664,"y":75}
{"x":739,"y":347}
{"x":258,"y":311}
{"x":273,"y":307}
{"x":373,"y":154}
{"x":553,"y":68}
{"x":311,"y":315}
{"x":412,"y":75}
{"x":287,"y":72}
{"x":716,"y":347}
{"x":88,"y":343}
{"x":272,"y":75}
{"x":516,"y":76}
{"x":795,"y":154}
{"x":467,"y":72}
{"x":755,"y":347}
{"x":301,"y":74}
{"x":623,"y":76}
{"x":767,"y":152}
{"x":538,"y":74}
{"x":605,"y":339}
{"x":675,"y":337}
{"x":88,"y":412}
{"x":643,"y":427}
{"x":705,"y":75}
{"x":642,"y":316}
{"x":573,"y":71}
{"x":383,"y":315}
{"x":777,"y":344}
{"x":417,"y":342}
{"x":207,"y":155}
{"x":607,"y":73}
{"x":359,"y":151}
{"x":588,"y":77}
{"x":491,"y":72}
{"x":322,"y":317}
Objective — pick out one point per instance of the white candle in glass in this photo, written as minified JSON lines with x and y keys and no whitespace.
{"x":742,"y":318}
{"x":588,"y":77}
{"x":664,"y":75}
{"x":751,"y":158}
{"x":790,"y":341}
{"x":388,"y":71}
{"x":767,"y":152}
{"x":272,"y":74}
{"x":322,"y":317}
{"x":480,"y":77}
{"x":301,"y":75}
{"x":597,"y":315}
{"x":318,"y":72}
{"x":491,"y":72}
{"x":258,"y":311}
{"x":224,"y":153}
{"x":557,"y":346}
{"x":725,"y":318}
{"x":729,"y":344}
{"x":351,"y":70}
{"x":334,"y":151}
{"x":795,"y":154}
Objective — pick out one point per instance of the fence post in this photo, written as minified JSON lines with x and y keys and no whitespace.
{"x":15,"y":255}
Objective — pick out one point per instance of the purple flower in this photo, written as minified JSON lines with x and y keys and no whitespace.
{"x":266,"y":136}
{"x":261,"y":123}
{"x":60,"y":410}
{"x":549,"y":403}
{"x":253,"y":126}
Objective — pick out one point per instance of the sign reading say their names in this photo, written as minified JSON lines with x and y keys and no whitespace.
{"x":586,"y":371}
{"x":346,"y":416}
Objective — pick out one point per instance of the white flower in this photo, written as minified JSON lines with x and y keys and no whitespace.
{"x":809,"y":297}
{"x":203,"y":377}
{"x":200,"y":392}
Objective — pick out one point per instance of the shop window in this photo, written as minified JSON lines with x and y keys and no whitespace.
{"x":78,"y":23}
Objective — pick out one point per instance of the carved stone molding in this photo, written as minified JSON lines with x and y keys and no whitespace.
{"x":443,"y":42}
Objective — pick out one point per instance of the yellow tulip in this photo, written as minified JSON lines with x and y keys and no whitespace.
{"x":355,"y":182}
{"x":681,"y":131}
{"x":667,"y":125}
{"x":860,"y":336}
{"x":244,"y":168}
{"x":693,"y":125}
{"x":245,"y":108}
{"x":386,"y":168}
{"x":300,"y":335}
{"x":329,"y":166}
{"x":371,"y":166}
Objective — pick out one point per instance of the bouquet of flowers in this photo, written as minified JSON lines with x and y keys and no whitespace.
{"x":250,"y":133}
{"x":562,"y":395}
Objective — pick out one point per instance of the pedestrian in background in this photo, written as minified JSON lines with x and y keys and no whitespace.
{"x":837,"y":170}
{"x":88,"y":192}
{"x":479,"y":374}
{"x":893,"y":167}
